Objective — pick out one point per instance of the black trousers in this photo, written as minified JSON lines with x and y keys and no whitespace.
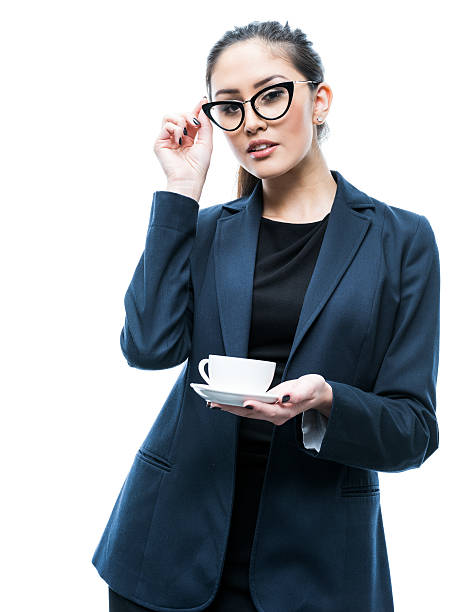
{"x":233,"y":593}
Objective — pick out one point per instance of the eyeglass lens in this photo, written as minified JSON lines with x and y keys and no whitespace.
{"x":270,"y":104}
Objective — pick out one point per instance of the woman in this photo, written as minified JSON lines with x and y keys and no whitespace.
{"x":272,"y":507}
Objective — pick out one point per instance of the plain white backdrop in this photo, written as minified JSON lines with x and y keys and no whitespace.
{"x":85,"y":85}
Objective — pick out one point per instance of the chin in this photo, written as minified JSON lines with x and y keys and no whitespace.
{"x":271,"y":171}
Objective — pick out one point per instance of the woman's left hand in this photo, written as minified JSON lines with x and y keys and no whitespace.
{"x":300,"y":394}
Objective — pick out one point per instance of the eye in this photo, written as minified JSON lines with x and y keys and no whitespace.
{"x":273,"y":95}
{"x":225,"y":108}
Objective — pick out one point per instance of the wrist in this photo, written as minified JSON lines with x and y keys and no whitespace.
{"x":326,"y":400}
{"x":187,"y":189}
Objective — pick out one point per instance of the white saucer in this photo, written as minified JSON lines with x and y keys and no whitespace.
{"x":230,"y":397}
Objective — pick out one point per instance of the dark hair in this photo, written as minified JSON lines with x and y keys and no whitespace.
{"x":293,"y":46}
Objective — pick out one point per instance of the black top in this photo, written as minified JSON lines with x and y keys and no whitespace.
{"x":286,"y":256}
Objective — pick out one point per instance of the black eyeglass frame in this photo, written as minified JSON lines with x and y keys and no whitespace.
{"x":289,"y":86}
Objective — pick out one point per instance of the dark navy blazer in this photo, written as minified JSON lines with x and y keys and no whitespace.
{"x":369,"y":324}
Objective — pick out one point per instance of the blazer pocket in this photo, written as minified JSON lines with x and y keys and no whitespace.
{"x":368,"y":490}
{"x":154,"y":459}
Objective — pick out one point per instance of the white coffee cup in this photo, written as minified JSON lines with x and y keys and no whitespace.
{"x":238,"y":374}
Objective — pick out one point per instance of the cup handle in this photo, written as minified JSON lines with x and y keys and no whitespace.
{"x":201,"y":366}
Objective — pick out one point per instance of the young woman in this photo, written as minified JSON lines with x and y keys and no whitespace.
{"x":272,"y":507}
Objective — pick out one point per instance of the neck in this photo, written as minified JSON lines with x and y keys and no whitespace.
{"x":303,"y":195}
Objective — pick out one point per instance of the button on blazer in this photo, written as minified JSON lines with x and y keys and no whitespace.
{"x":369,"y":324}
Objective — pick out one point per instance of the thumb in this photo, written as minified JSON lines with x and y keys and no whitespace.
{"x":206,"y":129}
{"x":282,"y":391}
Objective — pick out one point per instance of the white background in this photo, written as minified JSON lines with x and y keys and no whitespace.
{"x":85,"y":85}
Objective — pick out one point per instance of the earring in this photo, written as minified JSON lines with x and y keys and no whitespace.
{"x":319,"y":118}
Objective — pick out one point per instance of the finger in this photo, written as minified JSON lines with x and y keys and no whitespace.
{"x":285,"y":397}
{"x":197,"y":108}
{"x":282,"y":390}
{"x":225,"y":406}
{"x":238,"y":410}
{"x":179,"y":125}
{"x":190,"y":130}
{"x":257,"y":405}
{"x":186,"y":124}
{"x":191,"y":127}
{"x":170,"y":131}
{"x":177,"y":118}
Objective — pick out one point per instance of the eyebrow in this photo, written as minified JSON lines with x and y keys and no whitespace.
{"x":258,"y":84}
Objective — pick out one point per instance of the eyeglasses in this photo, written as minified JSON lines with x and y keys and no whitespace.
{"x":270,"y":103}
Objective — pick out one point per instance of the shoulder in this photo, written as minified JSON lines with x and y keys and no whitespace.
{"x":391,"y":221}
{"x":402,"y":229}
{"x":400,"y":222}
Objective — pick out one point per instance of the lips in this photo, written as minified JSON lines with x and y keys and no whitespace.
{"x":263,"y":153}
{"x":255,"y":143}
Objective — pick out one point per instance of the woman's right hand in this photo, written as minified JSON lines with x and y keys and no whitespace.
{"x":188,"y":162}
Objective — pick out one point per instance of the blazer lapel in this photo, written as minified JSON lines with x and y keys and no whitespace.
{"x":235,"y":252}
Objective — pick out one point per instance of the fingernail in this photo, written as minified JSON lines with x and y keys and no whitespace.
{"x":249,"y":407}
{"x":208,"y":404}
{"x":180,"y":140}
{"x":285,"y":398}
{"x":184,"y":131}
{"x":196,"y":121}
{"x":215,"y":408}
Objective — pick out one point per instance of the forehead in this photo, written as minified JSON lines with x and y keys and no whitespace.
{"x":247,"y":65}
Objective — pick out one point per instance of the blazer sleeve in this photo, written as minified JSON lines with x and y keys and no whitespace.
{"x":394,"y":428}
{"x":159,"y":302}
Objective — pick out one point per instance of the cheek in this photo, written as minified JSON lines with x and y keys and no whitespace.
{"x":236,"y":147}
{"x":296,"y":131}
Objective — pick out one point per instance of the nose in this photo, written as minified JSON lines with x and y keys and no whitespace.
{"x":252,"y":121}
